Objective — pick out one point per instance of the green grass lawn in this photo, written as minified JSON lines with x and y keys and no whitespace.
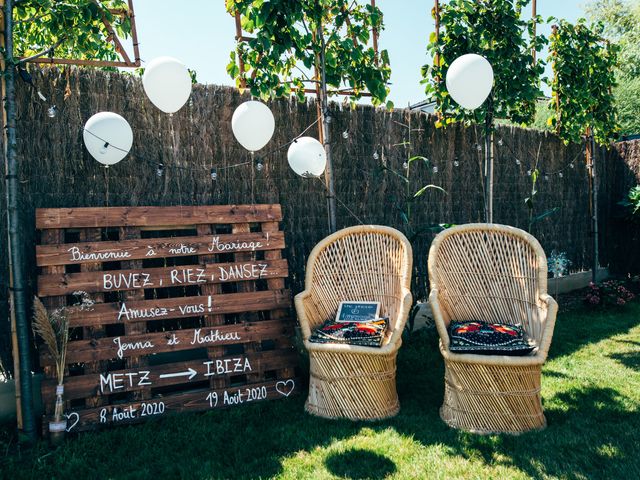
{"x":591,"y":395}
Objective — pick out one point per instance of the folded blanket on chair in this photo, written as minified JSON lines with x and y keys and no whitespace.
{"x":489,"y":338}
{"x":368,"y":334}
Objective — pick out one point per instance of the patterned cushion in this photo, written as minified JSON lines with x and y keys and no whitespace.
{"x":366,"y":334}
{"x":489,"y":338}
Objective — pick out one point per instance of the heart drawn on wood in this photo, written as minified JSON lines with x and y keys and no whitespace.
{"x":69,"y":416}
{"x":285,"y":387}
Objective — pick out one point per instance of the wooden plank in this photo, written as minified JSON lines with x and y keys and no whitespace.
{"x":134,"y":327}
{"x":118,"y":381}
{"x":139,"y":249}
{"x":207,"y":399}
{"x":177,"y":307}
{"x":146,"y":216}
{"x":244,"y":287}
{"x":98,"y":331}
{"x":212,"y":320}
{"x":234,"y":364}
{"x":52,"y":237}
{"x":136,"y":345}
{"x":95,"y":280}
{"x":278,"y":284}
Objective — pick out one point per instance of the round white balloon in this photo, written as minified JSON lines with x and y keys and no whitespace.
{"x":253,"y":125}
{"x":108,"y":137}
{"x":469,"y":80}
{"x":167,"y":83}
{"x":307,"y":157}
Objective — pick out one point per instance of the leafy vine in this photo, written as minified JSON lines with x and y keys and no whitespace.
{"x":496,"y":30}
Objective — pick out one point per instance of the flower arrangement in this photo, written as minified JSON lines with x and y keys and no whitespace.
{"x":609,"y":293}
{"x":558,"y":264}
{"x":53,"y":328}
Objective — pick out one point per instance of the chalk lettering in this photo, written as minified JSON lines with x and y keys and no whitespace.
{"x":213,"y":336}
{"x":188,"y":275}
{"x":134,"y":313}
{"x":123,"y":347}
{"x":127,"y":413}
{"x":232,"y":399}
{"x":119,"y":281}
{"x":182,"y":249}
{"x":193,"y":309}
{"x":245,"y":271}
{"x":79,"y":256}
{"x":116,"y":381}
{"x":227,"y":365}
{"x":216,"y":245}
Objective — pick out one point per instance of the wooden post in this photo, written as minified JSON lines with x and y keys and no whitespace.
{"x":593,"y":199}
{"x":488,"y":161}
{"x":18,"y":298}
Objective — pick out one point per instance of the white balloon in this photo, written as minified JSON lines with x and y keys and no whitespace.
{"x":469,"y":80}
{"x":108,"y":137}
{"x":253,"y":125}
{"x":307,"y":157}
{"x":167,"y":83}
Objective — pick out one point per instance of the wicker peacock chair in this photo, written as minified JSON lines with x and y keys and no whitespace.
{"x":496,"y":274}
{"x":362,"y":263}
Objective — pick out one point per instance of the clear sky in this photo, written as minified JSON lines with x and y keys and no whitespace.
{"x":201,"y":34}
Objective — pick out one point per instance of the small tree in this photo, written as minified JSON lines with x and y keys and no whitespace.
{"x":319,"y":46}
{"x":69,"y":29}
{"x":496,"y":30}
{"x":582,"y":84}
{"x":582,"y":97}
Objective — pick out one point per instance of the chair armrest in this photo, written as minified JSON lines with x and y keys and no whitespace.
{"x":308,"y":314}
{"x":548,"y":310}
{"x":401,"y":317}
{"x":440,"y":317}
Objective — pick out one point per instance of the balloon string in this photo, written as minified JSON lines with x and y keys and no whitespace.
{"x":106,"y":181}
{"x":342,"y":203}
{"x":253,"y":178}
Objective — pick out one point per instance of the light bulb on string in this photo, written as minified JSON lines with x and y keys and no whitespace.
{"x":259,"y":165}
{"x":546,"y":177}
{"x":160,"y":170}
{"x":500,"y":142}
{"x":376,"y":156}
{"x":456,"y":163}
{"x":435,"y":169}
{"x":529,"y":172}
{"x":571,"y":165}
{"x":517,"y":161}
{"x":52,"y":111}
{"x":560,"y":174}
{"x":478,"y":147}
{"x":405,"y":165}
{"x":214,"y":174}
{"x":345,"y":134}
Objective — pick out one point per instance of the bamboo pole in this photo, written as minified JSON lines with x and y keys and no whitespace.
{"x":323,"y":104}
{"x":18,"y":297}
{"x":534,"y":13}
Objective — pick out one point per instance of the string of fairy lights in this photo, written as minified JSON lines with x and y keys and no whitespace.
{"x":378,"y":154}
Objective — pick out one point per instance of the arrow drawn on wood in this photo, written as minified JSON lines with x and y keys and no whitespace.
{"x":191,"y":373}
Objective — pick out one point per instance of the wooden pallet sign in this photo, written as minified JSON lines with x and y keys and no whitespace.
{"x":190,"y":310}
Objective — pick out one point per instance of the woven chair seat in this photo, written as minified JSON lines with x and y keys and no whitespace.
{"x":362,"y":263}
{"x":497,"y":274}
